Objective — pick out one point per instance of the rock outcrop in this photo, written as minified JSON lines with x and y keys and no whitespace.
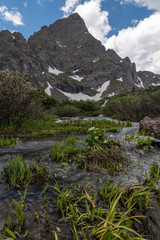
{"x":152,"y":126}
{"x":68,"y":61}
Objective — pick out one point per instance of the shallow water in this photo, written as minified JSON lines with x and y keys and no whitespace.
{"x":30,"y":148}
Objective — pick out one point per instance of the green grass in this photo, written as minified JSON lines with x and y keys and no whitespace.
{"x":96,"y":217}
{"x":47,"y":126}
{"x":64,"y":151}
{"x":8,"y":142}
{"x":21,"y":173}
{"x":98,"y":153}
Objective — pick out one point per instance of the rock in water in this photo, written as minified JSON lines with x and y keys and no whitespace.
{"x":152,"y":126}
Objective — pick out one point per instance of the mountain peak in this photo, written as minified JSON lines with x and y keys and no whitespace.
{"x":65,"y":58}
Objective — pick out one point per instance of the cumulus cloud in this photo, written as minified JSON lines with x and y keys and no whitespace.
{"x":12,"y":16}
{"x":150,"y":4}
{"x":69,"y":6}
{"x":95,"y":19}
{"x":141,"y":43}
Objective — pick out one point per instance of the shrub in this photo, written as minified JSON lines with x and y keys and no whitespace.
{"x":135,"y":105}
{"x":66,"y":111}
{"x":18,"y":98}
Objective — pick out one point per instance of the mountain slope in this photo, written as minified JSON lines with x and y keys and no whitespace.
{"x":68,"y":61}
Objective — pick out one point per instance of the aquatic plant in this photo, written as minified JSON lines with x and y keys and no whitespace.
{"x":19,"y":212}
{"x":100,"y":219}
{"x":64,"y":150}
{"x":144,"y":142}
{"x":47,"y":125}
{"x":21,"y":173}
{"x":8,"y":142}
{"x":151,"y":179}
{"x":11,"y":230}
{"x":97,"y":136}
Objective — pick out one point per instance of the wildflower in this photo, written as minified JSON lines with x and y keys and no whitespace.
{"x":105,"y":141}
{"x":96,"y":137}
{"x":91,"y":129}
{"x":111,"y":136}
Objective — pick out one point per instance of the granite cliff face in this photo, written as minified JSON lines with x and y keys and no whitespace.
{"x":68,"y":61}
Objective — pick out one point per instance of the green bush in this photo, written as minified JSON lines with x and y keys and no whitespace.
{"x":18,"y":99}
{"x":135,"y":105}
{"x":66,"y":111}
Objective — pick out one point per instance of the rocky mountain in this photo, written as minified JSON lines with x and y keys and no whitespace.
{"x":68,"y":61}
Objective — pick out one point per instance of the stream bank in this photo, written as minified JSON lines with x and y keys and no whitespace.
{"x":39,"y":148}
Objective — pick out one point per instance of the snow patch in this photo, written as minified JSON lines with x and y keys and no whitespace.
{"x":54,"y":71}
{"x":120,"y":79}
{"x":155,"y":84}
{"x":105,"y":103}
{"x":76,"y":77}
{"x":82,"y":96}
{"x":79,"y":46}
{"x":101,"y":89}
{"x":111,"y":94}
{"x":77,"y":96}
{"x":140,"y":84}
{"x":121,"y":61}
{"x":75,"y":71}
{"x":48,"y":89}
{"x":60,"y":44}
{"x":43,"y":73}
{"x":96,"y":60}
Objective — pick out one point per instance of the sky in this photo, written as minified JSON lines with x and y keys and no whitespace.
{"x":130,"y":27}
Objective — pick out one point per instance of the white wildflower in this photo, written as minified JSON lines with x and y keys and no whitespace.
{"x":91,"y":129}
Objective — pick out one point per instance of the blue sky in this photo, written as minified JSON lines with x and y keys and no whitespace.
{"x":130,"y":27}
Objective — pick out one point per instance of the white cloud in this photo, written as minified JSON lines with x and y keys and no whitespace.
{"x":69,"y":6}
{"x":41,"y":2}
{"x":140,"y":43}
{"x":25,"y":4}
{"x":134,"y":22}
{"x":95,"y":19}
{"x":12,"y":16}
{"x":150,"y":4}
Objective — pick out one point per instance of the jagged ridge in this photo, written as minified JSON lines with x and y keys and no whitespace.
{"x":67,"y":60}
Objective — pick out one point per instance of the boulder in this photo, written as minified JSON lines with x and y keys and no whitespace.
{"x":152,"y":126}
